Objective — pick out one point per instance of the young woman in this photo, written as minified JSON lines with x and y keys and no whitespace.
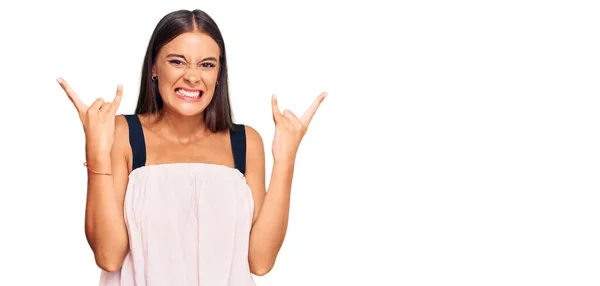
{"x":176,"y":191}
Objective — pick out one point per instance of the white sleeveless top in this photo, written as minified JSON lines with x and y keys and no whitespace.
{"x":188,"y":224}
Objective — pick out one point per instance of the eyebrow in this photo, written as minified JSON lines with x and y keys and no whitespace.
{"x":183,"y":57}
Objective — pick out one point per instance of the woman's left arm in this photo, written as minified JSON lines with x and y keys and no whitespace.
{"x":271,"y":209}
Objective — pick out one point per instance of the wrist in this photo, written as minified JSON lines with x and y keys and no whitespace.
{"x":100,"y":161}
{"x":284,"y":158}
{"x":96,"y":152}
{"x":286,"y":164}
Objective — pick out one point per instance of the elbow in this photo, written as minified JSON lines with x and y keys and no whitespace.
{"x":262,"y":260}
{"x":109,"y":266}
{"x":108,"y":256}
{"x":261,"y":269}
{"x":109,"y":262}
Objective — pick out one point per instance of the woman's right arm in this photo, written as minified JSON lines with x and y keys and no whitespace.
{"x":107,"y":150}
{"x":105,"y":227}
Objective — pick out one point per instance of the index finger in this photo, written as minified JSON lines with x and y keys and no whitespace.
{"x":79,"y":105}
{"x":308,"y":115}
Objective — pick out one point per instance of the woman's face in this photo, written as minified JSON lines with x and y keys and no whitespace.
{"x":187,"y":71}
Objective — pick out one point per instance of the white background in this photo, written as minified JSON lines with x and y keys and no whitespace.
{"x":459,"y":143}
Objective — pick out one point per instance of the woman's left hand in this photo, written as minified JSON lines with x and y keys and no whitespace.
{"x":289,"y":129}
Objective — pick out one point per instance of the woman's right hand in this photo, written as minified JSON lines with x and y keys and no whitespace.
{"x":98,"y":120}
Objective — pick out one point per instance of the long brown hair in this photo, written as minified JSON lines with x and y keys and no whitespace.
{"x":218,"y":115}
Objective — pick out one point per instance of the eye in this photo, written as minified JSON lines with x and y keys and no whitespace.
{"x":176,"y":62}
{"x":207,"y":65}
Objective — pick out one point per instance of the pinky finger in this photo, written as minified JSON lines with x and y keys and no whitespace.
{"x":276,"y":113}
{"x":117,"y":102}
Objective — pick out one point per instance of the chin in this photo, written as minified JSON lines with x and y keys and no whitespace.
{"x":187,"y":109}
{"x":189,"y":112}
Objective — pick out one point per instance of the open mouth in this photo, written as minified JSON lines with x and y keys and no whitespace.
{"x":189,"y":94}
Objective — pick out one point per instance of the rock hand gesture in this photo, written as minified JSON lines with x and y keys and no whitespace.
{"x":98,"y":120}
{"x":289,"y":129}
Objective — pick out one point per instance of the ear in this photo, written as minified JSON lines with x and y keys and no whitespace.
{"x":153,"y":71}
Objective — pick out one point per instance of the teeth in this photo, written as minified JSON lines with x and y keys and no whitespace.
{"x":188,"y":93}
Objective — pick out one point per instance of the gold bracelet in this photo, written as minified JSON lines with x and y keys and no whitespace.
{"x":95,"y":172}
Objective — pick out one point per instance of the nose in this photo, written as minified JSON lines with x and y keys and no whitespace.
{"x":192,"y":77}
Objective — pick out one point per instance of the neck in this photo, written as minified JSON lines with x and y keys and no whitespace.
{"x":183,"y":129}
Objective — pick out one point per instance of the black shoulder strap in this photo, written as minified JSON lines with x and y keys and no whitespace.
{"x":136,"y":140}
{"x":238,"y":146}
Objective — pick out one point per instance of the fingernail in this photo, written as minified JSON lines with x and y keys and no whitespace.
{"x":58,"y":80}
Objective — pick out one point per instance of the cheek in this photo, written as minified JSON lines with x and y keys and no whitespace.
{"x":164,"y":89}
{"x":170,"y":75}
{"x":167,"y":78}
{"x":210,"y":78}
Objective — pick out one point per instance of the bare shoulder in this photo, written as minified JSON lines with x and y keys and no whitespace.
{"x":255,"y":159}
{"x":121,"y":147}
{"x":254,"y":141}
{"x":121,"y":129}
